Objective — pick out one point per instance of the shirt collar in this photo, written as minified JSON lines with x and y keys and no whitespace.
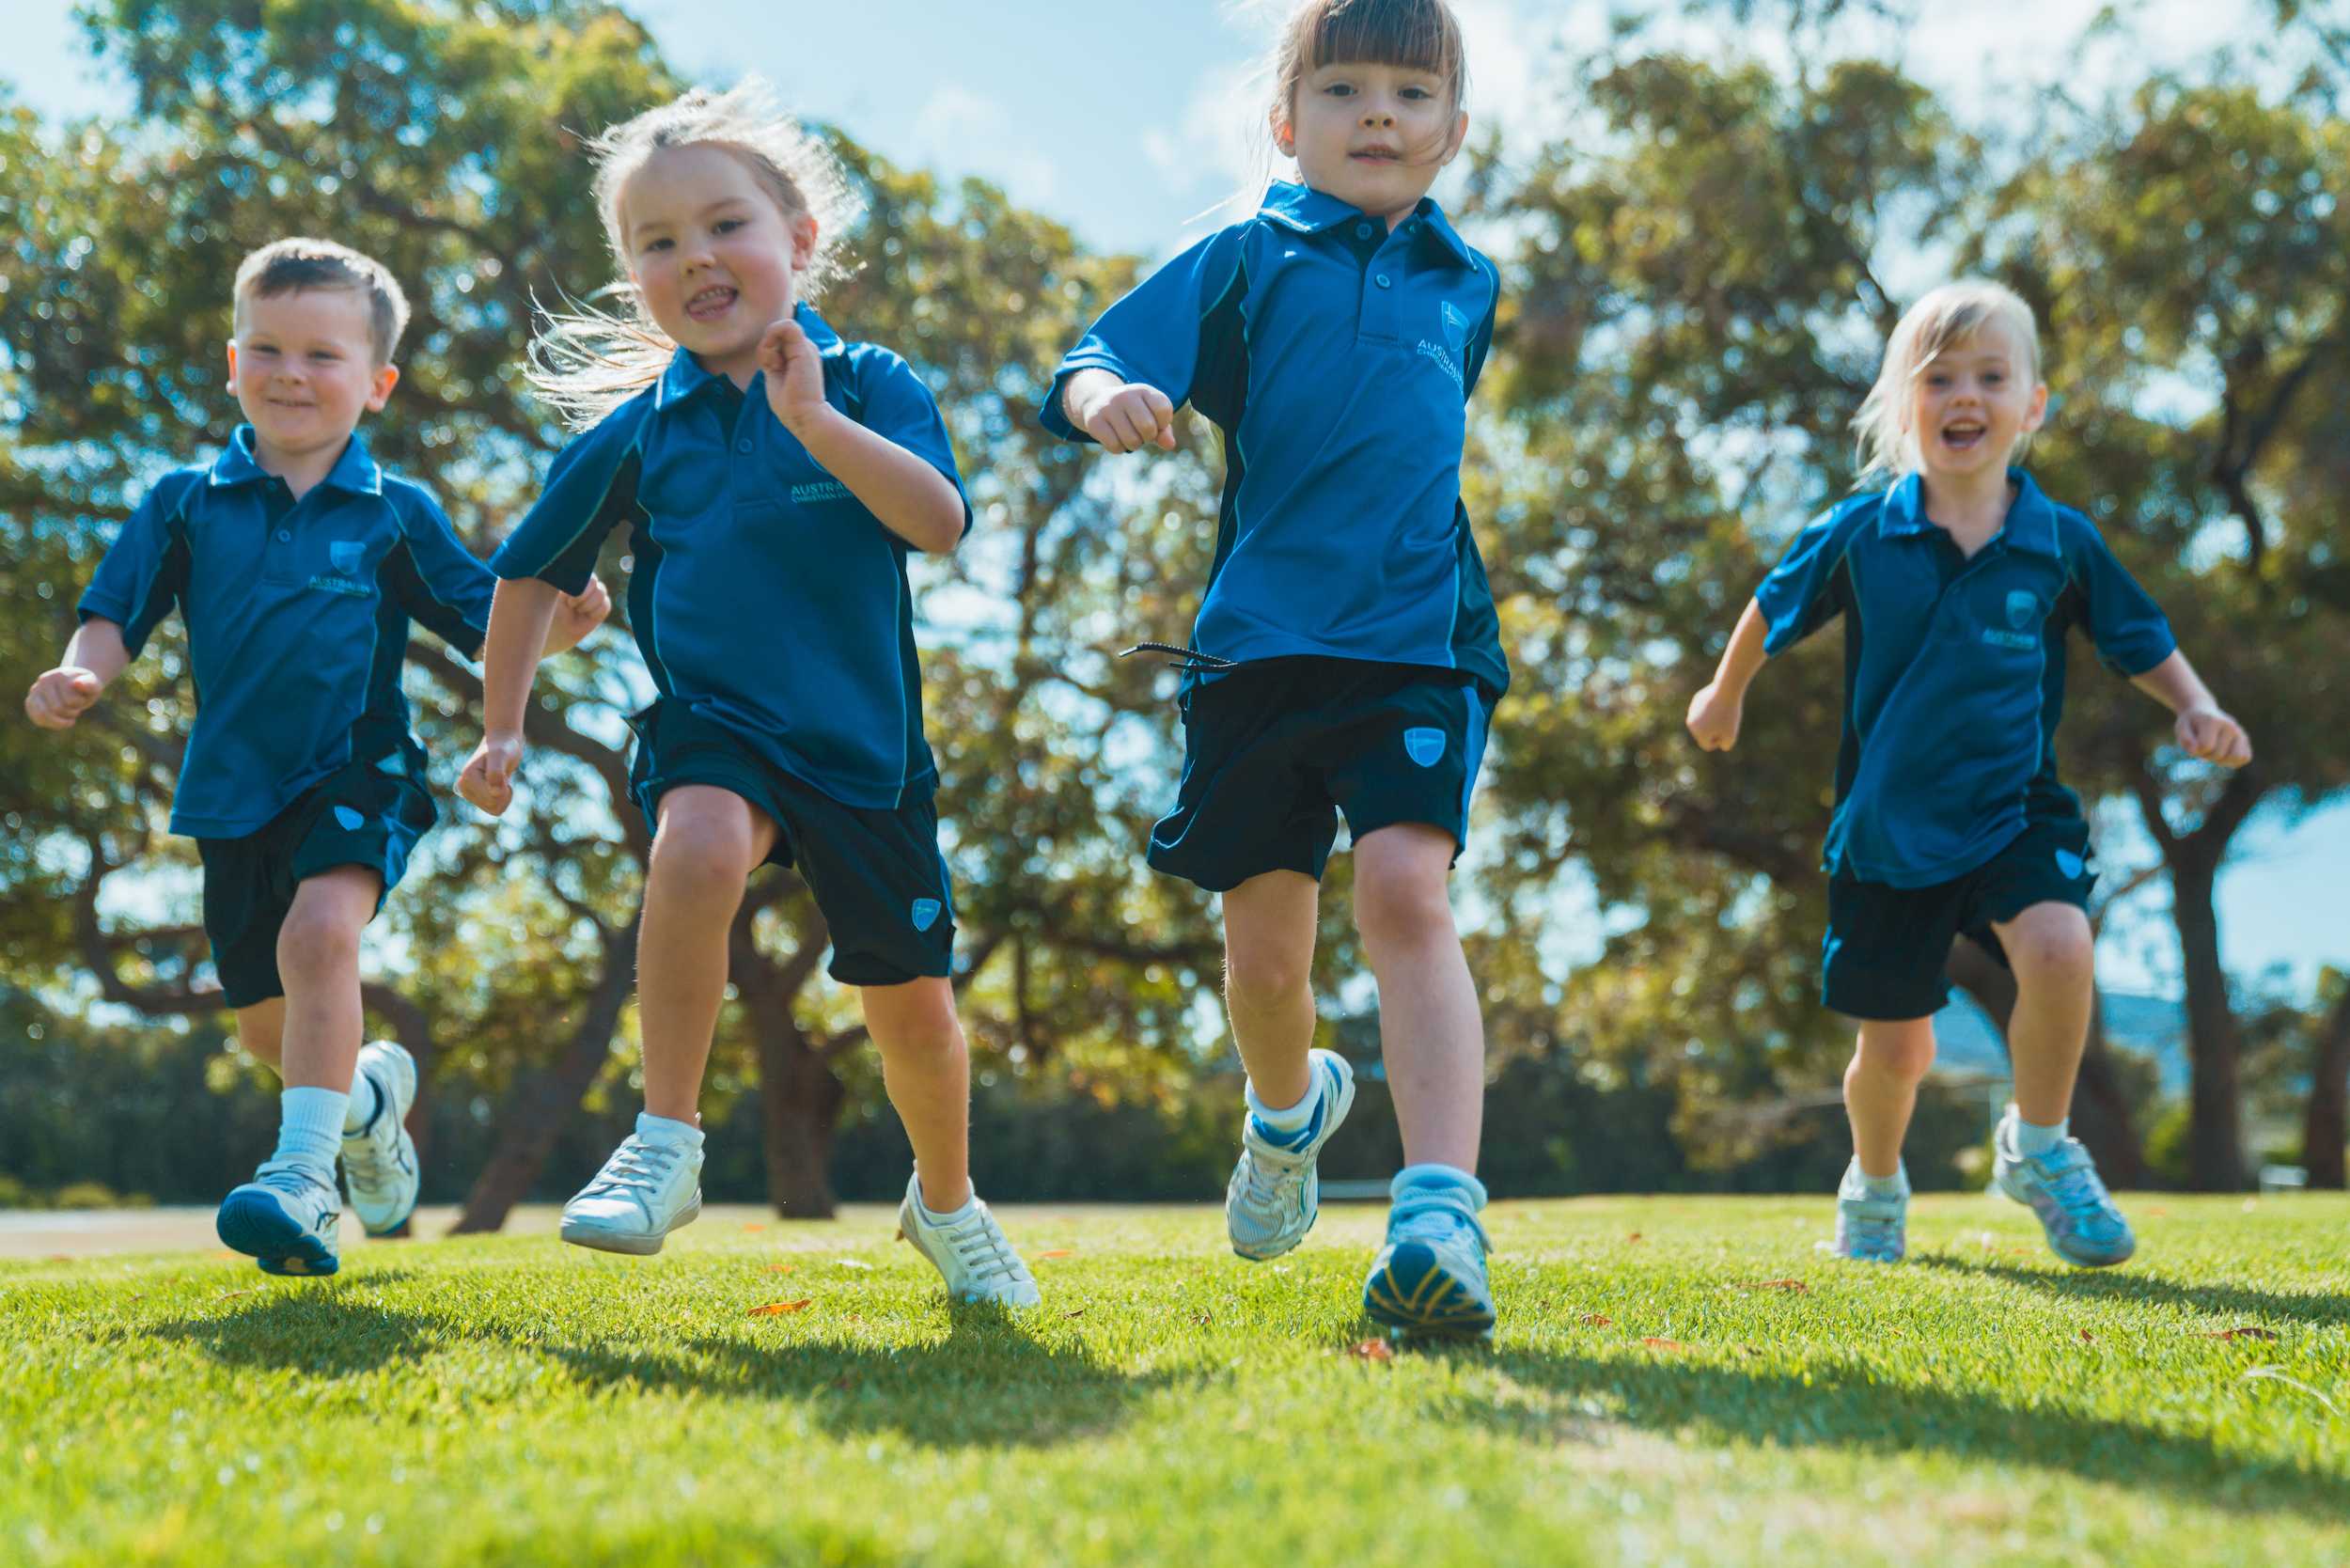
{"x":356,"y":470}
{"x":685,"y":376}
{"x":1310,"y":211}
{"x":2031,"y":524}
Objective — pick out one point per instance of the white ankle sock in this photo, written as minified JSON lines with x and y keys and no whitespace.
{"x":2031,"y":1139}
{"x":310,"y":1129}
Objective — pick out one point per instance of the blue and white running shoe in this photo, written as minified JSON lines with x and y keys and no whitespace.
{"x":1274,"y":1195}
{"x":2064,"y":1188}
{"x":287,"y":1216}
{"x":379,"y":1160}
{"x":1429,"y":1281}
{"x":1873,"y":1230}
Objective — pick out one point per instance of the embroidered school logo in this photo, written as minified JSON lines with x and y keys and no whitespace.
{"x":2021,"y":605}
{"x":351,"y":819}
{"x":925,"y":913}
{"x":349,"y":586}
{"x":344,"y":554}
{"x":818,"y":492}
{"x":1455,"y":323}
{"x":2071,"y":865}
{"x":1424,"y":746}
{"x":1444,"y":361}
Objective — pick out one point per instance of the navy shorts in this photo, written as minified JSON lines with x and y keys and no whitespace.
{"x":1887,"y":947}
{"x":1276,"y":751}
{"x":369,"y":812}
{"x":876,"y":874}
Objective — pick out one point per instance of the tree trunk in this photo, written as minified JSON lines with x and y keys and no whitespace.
{"x":2101,"y":1111}
{"x":537,"y":1111}
{"x":800,"y":1101}
{"x":2214,"y":1096}
{"x":2326,"y":1126}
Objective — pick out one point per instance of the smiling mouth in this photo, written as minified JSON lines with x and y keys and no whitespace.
{"x":1966,"y":437}
{"x":711,"y":304}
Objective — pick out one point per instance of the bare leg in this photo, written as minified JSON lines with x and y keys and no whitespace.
{"x":926,"y":1067}
{"x":1881,"y":1089}
{"x":317,"y":959}
{"x":1268,"y":980}
{"x":709,"y":841}
{"x":1430,"y":1028}
{"x":262,"y":1031}
{"x":2052,"y":951}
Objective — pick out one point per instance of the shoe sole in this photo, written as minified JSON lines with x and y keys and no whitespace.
{"x":1998,"y":1188}
{"x":1412,"y":1297}
{"x":1265,"y":1252}
{"x":260,"y":1230}
{"x":602,"y":1240}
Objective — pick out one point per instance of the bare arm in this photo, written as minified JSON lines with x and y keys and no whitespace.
{"x":521,"y":619}
{"x":2204,"y":730}
{"x":1716,"y":711}
{"x":92,"y":659}
{"x":914,"y":500}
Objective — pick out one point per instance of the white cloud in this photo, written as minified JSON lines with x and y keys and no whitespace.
{"x":969,"y":133}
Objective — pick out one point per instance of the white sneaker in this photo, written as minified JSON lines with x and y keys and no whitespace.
{"x":971,"y":1251}
{"x":288,"y":1217}
{"x":1274,"y":1194}
{"x":647,"y":1188}
{"x":379,"y":1160}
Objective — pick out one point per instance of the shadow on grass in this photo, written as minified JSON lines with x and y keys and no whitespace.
{"x":988,"y":1383}
{"x":2137,"y":1285}
{"x":1843,"y":1408}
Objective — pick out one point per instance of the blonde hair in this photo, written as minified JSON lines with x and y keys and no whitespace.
{"x":588,"y":361}
{"x":1417,"y":35}
{"x":1944,"y":318}
{"x":291,"y":266}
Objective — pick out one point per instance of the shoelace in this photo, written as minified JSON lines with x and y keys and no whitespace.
{"x":979,"y":1246}
{"x":293,"y":1179}
{"x":2075,"y":1184}
{"x":1269,"y":1180}
{"x":1872,"y":1233}
{"x":1436,"y":1224}
{"x":636,"y":1167}
{"x":1186,"y":659}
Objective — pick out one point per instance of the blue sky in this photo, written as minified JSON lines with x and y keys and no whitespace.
{"x":1128,"y":121}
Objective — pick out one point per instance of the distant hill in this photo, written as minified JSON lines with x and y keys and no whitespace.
{"x":2153,"y":1027}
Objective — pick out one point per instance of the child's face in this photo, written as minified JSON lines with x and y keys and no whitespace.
{"x":713,"y":254}
{"x":303,"y":366}
{"x":1971,"y":404}
{"x":1375,"y":136}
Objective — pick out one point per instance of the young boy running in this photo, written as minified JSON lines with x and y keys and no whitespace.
{"x":296,"y":564}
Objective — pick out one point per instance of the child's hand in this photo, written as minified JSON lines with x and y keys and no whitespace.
{"x":488,"y":780}
{"x":1127,"y":416}
{"x":578,"y":614}
{"x":62,"y":696}
{"x":1714,"y":716}
{"x":795,"y":373}
{"x":2213,"y":736}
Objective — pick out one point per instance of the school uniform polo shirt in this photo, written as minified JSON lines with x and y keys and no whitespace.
{"x":764,"y":596}
{"x":1953,"y":670}
{"x":297,"y":615}
{"x":1336,"y":357}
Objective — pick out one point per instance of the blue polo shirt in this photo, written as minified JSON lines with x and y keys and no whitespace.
{"x":1336,"y":357}
{"x":1953,"y":670}
{"x":297,"y":615}
{"x":764,"y":595}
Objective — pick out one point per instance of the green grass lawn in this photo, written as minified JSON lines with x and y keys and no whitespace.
{"x":1675,"y":1382}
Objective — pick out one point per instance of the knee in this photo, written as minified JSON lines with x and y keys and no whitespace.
{"x":915,"y":1022}
{"x":1906,"y":1055}
{"x":317,"y":942}
{"x":1263,"y":980}
{"x":1397,"y":913}
{"x":2051,"y":947}
{"x":701,"y":856}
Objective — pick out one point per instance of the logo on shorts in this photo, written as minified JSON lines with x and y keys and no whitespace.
{"x":351,"y":819}
{"x":1424,"y":746}
{"x":344,"y":554}
{"x":2071,"y":865}
{"x":2022,"y":605}
{"x":925,"y":913}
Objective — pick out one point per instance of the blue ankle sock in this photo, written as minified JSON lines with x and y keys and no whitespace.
{"x":310,"y":1129}
{"x":1292,"y":1125}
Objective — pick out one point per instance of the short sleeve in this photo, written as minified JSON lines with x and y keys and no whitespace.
{"x":2131,"y":634}
{"x":1482,"y":344}
{"x":893,"y":403}
{"x":146,"y":568}
{"x":1177,"y":330}
{"x":590,"y":487}
{"x":1805,"y":591}
{"x":442,"y":585}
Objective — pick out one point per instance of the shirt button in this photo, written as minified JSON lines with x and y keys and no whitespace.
{"x":1362,"y":232}
{"x":1381,"y":280}
{"x":743,"y":446}
{"x":285,"y":535}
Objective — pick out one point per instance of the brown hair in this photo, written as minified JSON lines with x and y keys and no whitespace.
{"x":291,"y":266}
{"x":1418,"y":34}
